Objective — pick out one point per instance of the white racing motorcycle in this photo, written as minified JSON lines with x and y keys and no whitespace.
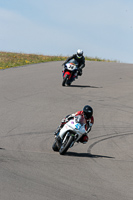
{"x":71,"y":132}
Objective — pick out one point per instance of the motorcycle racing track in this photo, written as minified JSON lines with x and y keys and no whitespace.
{"x":32,"y":103}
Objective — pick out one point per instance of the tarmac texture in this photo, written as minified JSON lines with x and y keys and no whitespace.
{"x":32,"y":104}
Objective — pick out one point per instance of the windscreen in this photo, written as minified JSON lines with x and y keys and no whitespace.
{"x":80,"y":119}
{"x":73,"y":61}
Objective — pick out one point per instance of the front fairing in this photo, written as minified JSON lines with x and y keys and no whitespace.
{"x":71,"y":65}
{"x":73,"y":61}
{"x":74,"y":126}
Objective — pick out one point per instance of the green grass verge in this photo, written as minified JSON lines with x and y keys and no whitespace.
{"x":9,"y":59}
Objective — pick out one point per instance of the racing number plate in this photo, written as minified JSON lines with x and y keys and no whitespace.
{"x":77,"y":126}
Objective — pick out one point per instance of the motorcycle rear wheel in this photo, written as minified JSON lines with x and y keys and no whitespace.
{"x":66,"y":145}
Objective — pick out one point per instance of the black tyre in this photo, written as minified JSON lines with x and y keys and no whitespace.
{"x":54,"y":146}
{"x":65,"y":80}
{"x":69,"y":83}
{"x":66,"y":145}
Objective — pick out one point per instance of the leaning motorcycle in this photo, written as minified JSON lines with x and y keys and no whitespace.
{"x":70,"y":72}
{"x":71,"y":133}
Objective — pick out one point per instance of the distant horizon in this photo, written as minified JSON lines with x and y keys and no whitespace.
{"x":101,"y":29}
{"x":57,"y":55}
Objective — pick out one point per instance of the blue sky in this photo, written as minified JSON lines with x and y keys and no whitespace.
{"x":101,"y":28}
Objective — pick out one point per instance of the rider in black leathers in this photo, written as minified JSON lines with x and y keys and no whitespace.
{"x":79,"y":58}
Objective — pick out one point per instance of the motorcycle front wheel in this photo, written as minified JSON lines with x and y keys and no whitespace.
{"x":65,"y":146}
{"x":54,"y":146}
{"x":65,"y":79}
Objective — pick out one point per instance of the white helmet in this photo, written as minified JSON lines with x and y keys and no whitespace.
{"x":79,"y":53}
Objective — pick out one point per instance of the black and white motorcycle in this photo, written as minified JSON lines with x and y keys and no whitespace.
{"x":70,"y":72}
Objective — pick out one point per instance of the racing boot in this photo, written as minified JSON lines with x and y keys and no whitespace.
{"x":84,"y":139}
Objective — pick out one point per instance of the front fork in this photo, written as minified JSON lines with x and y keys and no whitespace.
{"x":68,"y":135}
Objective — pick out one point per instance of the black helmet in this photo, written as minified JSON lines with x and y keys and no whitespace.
{"x":88,"y":112}
{"x":79,"y":53}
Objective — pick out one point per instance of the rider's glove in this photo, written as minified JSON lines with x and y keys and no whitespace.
{"x":69,"y":117}
{"x":63,"y":120}
{"x":66,"y":120}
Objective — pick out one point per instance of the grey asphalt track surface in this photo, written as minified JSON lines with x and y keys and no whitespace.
{"x":32,"y":104}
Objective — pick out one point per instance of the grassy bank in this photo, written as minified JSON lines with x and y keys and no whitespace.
{"x":9,"y":59}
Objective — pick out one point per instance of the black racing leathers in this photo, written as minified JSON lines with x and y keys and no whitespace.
{"x":81,"y":61}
